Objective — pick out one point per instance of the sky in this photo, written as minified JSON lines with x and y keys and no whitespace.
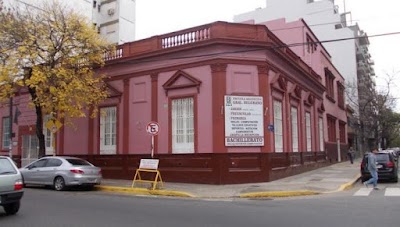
{"x":155,"y":17}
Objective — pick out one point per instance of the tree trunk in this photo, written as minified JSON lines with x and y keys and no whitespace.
{"x":39,"y":131}
{"x":39,"y":125}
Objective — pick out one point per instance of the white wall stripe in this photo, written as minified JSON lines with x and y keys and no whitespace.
{"x":392,"y":192}
{"x":363,"y":192}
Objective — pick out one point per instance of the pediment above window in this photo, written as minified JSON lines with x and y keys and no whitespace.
{"x":112,"y":91}
{"x":181,"y":80}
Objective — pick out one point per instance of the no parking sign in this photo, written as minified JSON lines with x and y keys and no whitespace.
{"x":153,"y":128}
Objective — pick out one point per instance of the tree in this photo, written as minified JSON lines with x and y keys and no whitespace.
{"x":375,"y":121}
{"x":52,"y":52}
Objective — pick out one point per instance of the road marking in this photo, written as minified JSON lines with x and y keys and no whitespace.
{"x":392,"y":192}
{"x":363,"y":192}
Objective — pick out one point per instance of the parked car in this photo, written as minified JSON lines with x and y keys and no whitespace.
{"x":394,"y":153}
{"x":61,"y":172}
{"x":387,"y":166}
{"x":11,"y":186}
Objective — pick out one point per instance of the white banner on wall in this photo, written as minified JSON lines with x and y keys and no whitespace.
{"x":244,"y":121}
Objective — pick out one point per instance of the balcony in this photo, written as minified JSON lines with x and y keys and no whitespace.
{"x":363,"y":39}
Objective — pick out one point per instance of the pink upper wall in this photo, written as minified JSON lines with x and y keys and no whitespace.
{"x":243,"y":80}
{"x":296,"y":33}
{"x":139,"y":115}
{"x":75,"y":137}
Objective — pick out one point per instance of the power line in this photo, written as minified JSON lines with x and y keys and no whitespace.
{"x":267,"y":48}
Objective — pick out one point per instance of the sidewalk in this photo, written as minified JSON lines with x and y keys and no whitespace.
{"x":337,"y":177}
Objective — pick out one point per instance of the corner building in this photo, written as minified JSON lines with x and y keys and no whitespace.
{"x":233,"y":102}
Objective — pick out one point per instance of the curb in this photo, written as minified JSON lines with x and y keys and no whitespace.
{"x":144,"y":191}
{"x":350,"y":184}
{"x":346,"y":186}
{"x":278,"y":194}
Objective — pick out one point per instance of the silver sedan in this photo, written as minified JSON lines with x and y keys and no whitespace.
{"x":61,"y":172}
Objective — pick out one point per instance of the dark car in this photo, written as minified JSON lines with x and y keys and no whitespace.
{"x":387,"y":166}
{"x":11,"y":186}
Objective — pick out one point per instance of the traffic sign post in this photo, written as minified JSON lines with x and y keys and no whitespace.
{"x":153,"y":128}
{"x":149,"y":166}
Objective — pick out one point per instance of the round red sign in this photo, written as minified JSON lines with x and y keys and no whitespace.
{"x":153,"y":128}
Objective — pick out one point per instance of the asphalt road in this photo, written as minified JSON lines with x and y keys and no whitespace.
{"x":42,"y":207}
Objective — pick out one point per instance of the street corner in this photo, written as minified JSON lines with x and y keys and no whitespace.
{"x":278,"y":194}
{"x":349,"y":185}
{"x":144,"y":191}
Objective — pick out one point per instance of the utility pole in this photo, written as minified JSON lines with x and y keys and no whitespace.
{"x":338,"y":150}
{"x":10,"y":127}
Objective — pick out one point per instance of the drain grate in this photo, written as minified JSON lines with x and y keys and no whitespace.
{"x":316,"y":179}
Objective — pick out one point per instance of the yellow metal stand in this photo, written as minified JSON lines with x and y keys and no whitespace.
{"x":157,"y":179}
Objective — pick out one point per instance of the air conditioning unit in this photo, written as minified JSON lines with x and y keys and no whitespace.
{"x":110,"y":12}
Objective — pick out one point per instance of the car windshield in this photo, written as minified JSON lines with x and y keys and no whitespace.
{"x":78,"y":162}
{"x":6,"y":167}
{"x":382,"y":157}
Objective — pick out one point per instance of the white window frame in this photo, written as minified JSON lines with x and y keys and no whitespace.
{"x":295,"y":129}
{"x":278,"y":126}
{"x":308,"y":131}
{"x":321,"y":133}
{"x":48,"y":136}
{"x":108,"y":130}
{"x":182,"y":114}
{"x":6,"y":133}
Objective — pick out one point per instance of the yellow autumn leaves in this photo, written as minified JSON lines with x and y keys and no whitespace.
{"x":54,"y":52}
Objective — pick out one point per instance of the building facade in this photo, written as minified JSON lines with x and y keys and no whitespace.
{"x":233,"y":102}
{"x":301,"y":39}
{"x":114,"y":19}
{"x":328,"y":24}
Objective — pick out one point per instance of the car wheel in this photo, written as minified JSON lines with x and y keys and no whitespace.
{"x":59,"y":184}
{"x":396,"y":179}
{"x":12,"y":208}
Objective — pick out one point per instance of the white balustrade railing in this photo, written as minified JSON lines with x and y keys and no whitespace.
{"x":185,"y":38}
{"x":118,"y":53}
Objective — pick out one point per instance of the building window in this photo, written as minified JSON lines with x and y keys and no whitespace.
{"x":48,"y":136}
{"x":342,"y":131}
{"x":340,"y":88}
{"x":329,"y":78}
{"x":321,"y":133}
{"x":331,"y":129}
{"x":108,"y":130}
{"x":308,"y":131}
{"x":6,"y":132}
{"x":183,"y":125}
{"x":295,"y":130}
{"x":278,"y":126}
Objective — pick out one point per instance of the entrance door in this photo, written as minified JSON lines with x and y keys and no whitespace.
{"x":30,"y":149}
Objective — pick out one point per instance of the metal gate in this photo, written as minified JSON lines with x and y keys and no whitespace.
{"x":30,"y":149}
